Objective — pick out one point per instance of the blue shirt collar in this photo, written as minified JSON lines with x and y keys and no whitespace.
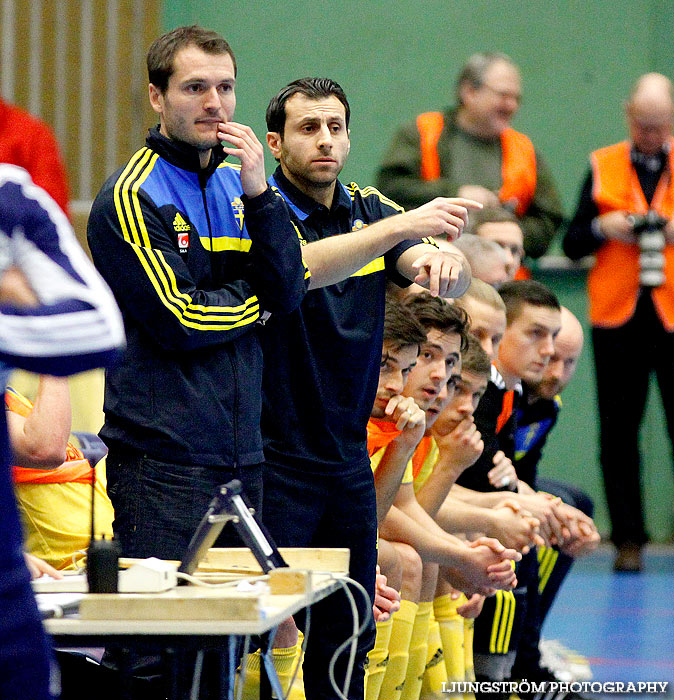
{"x":303,"y":205}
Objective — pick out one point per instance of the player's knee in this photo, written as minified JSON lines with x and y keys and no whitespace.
{"x":412,"y":566}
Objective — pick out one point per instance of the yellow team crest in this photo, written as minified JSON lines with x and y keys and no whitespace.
{"x":237,"y":208}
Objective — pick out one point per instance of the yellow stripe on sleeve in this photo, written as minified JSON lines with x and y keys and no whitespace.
{"x":159,"y":272}
{"x":249,"y":315}
{"x":134,"y":166}
{"x":376,"y":265}
{"x":373,"y":191}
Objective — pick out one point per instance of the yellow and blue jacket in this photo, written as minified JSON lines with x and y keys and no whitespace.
{"x":193,"y":264}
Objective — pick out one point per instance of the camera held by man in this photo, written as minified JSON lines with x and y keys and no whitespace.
{"x":649,"y":228}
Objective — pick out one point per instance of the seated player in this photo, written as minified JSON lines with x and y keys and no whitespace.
{"x":533,"y":318}
{"x":532,"y":322}
{"x":480,"y":566}
{"x":536,"y":417}
{"x":394,"y":430}
{"x":53,"y":484}
{"x":502,"y":227}
{"x":488,"y":322}
{"x":431,"y":384}
{"x":486,"y":258}
{"x":455,"y":444}
{"x":397,"y":424}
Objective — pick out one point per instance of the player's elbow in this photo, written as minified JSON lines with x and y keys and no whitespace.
{"x":48,"y":454}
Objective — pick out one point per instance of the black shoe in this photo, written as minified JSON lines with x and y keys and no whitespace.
{"x":628,"y":558}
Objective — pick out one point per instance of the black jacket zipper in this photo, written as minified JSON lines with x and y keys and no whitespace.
{"x":203,"y":181}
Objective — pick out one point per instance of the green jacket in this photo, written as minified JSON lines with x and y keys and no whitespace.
{"x":464,"y":160}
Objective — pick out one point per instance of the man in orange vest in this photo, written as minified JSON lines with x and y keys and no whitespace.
{"x":472,"y":151}
{"x":631,"y":294}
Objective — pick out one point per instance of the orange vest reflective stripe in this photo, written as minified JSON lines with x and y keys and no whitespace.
{"x":506,"y":410}
{"x":613,"y":282}
{"x":430,"y":126}
{"x":76,"y":469}
{"x":518,"y":170}
{"x":518,"y":160}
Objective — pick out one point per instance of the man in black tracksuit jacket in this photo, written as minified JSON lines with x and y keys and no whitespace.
{"x":196,"y":250}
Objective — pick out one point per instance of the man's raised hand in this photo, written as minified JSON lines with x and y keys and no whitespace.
{"x":248,"y":149}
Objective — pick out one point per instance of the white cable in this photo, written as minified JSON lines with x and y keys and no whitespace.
{"x":353,"y":639}
{"x":196,"y":676}
{"x":73,"y":557}
{"x":227,"y":584}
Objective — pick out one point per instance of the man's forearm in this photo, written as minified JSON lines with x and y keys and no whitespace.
{"x":335,"y":258}
{"x":478,"y":498}
{"x":413,"y":510}
{"x":433,"y":494}
{"x":399,"y":527}
{"x":388,"y":476}
{"x":39,"y":440}
{"x":457,"y":516}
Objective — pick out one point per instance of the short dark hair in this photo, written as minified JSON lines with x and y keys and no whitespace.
{"x":313,"y":88}
{"x":474,"y":359}
{"x":436,"y":313}
{"x":161,"y":55}
{"x":490,"y":215}
{"x":401,"y":328}
{"x":476,"y":67}
{"x":517,"y":293}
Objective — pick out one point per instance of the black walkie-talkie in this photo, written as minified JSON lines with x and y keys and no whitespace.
{"x":102,"y":556}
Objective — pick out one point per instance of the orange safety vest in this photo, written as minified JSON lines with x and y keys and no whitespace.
{"x":76,"y":469}
{"x":518,"y":160}
{"x":613,"y":282}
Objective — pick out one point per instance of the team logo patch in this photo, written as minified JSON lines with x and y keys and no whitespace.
{"x":182,"y":228}
{"x":237,"y":208}
{"x":179,"y":224}
{"x":357,"y":225}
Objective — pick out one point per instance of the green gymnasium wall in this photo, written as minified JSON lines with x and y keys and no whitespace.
{"x":396,"y":59}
